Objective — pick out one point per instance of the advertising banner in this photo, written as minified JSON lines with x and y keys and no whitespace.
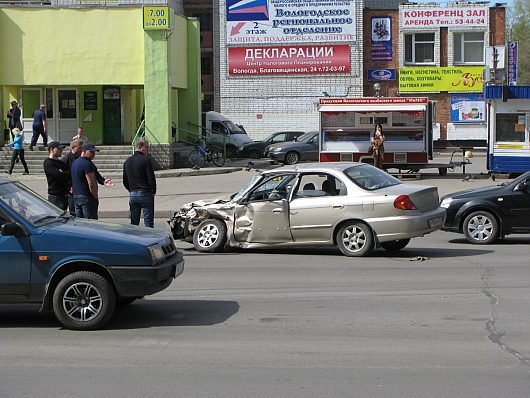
{"x":468,"y":108}
{"x":289,"y":60}
{"x":436,"y":79}
{"x":381,"y":74}
{"x":290,"y":21}
{"x":512,"y":63}
{"x":437,"y":17}
{"x":381,"y":38}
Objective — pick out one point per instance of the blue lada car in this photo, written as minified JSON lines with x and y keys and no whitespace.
{"x":79,"y":269}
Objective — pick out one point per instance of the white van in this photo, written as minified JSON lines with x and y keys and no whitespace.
{"x":221,"y":130}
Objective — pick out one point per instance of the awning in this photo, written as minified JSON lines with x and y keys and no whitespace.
{"x":372,"y":108}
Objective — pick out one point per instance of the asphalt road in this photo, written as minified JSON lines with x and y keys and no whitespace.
{"x":295,"y":323}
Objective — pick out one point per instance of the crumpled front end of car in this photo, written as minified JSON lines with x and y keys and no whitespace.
{"x":185,"y":221}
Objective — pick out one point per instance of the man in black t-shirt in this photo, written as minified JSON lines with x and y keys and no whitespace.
{"x":58,"y":176}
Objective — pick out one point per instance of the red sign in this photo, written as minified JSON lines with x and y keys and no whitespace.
{"x":289,"y":60}
{"x":374,"y":100}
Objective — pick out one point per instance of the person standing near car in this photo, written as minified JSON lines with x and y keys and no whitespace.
{"x":85,"y":183}
{"x":58,"y":176}
{"x":377,"y":139}
{"x":139,"y":179}
{"x":39,"y":127}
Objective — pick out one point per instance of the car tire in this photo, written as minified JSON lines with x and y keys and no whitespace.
{"x":292,"y":158}
{"x":84,"y":300}
{"x":230,"y":152}
{"x":254,"y":154}
{"x":210,"y":236}
{"x":395,"y":245}
{"x":355,"y":239}
{"x":480,"y":227}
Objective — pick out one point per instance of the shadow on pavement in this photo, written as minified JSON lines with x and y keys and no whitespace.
{"x":138,"y":315}
{"x":511,"y":240}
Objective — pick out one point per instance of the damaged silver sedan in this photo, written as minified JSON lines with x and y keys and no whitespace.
{"x":354,"y":206}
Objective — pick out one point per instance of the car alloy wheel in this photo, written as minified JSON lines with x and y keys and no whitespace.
{"x":292,"y":158}
{"x":480,"y":227}
{"x":254,"y":154}
{"x":210,"y":236}
{"x":84,"y":300}
{"x":355,"y":239}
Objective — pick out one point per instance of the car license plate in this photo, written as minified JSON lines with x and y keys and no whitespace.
{"x":435,"y":222}
{"x":179,"y":269}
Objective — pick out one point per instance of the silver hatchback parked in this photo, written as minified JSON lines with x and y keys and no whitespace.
{"x":352,"y":205}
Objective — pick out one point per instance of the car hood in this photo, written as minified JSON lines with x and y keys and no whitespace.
{"x":286,"y":145}
{"x":491,"y":190}
{"x":107,"y":231}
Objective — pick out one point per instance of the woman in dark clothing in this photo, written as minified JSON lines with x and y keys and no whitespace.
{"x":377,"y":139}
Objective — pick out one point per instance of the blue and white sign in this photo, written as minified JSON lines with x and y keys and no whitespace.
{"x":381,"y":39}
{"x":381,"y":74}
{"x":290,"y":21}
{"x":512,"y":63}
{"x":468,"y":108}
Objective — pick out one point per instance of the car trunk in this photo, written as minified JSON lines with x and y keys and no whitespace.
{"x":424,"y":197}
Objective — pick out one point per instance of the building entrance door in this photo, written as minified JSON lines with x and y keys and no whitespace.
{"x":112,"y":116}
{"x":30,"y":100}
{"x":67,"y":114}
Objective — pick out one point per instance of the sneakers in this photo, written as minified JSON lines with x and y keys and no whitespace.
{"x":25,"y":173}
{"x":31,"y":147}
{"x":8,"y":172}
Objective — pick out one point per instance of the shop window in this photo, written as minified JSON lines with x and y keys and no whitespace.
{"x":49,"y":103}
{"x":510,"y":127}
{"x":419,"y":48}
{"x":468,"y":48}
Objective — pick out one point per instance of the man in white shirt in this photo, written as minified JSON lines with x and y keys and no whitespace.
{"x":81,"y":135}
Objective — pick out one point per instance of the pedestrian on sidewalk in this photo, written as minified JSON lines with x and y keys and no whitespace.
{"x":85,"y":183}
{"x":377,"y":147}
{"x":18,"y":151}
{"x":81,"y":136}
{"x":139,"y":179}
{"x":58,"y":176}
{"x":14,"y":115}
{"x":39,"y":127}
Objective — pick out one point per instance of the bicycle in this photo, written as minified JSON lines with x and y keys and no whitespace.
{"x":202,"y":154}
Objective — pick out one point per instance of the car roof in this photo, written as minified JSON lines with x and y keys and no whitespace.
{"x":315,"y":167}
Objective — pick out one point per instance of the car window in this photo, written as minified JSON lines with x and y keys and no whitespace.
{"x":281,"y":184}
{"x":219,"y":128}
{"x":319,"y":184}
{"x":279,"y":138}
{"x":314,"y":140}
{"x":292,"y":135}
{"x":4,"y":219}
{"x":234,"y":128}
{"x":28,"y":204}
{"x":370,"y":178}
{"x":305,"y":137}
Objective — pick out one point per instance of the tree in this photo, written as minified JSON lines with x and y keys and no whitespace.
{"x":519,"y":31}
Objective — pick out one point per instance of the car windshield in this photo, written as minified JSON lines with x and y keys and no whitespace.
{"x":28,"y":204}
{"x":246,"y":187}
{"x":370,"y":178}
{"x":234,"y":128}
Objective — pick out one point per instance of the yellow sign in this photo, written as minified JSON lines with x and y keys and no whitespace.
{"x":435,"y":79}
{"x":156,"y":18}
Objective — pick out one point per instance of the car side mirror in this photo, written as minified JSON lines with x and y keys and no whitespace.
{"x":522,"y":187}
{"x":11,"y":229}
{"x":275,"y":196}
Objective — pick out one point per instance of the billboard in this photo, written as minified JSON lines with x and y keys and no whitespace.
{"x":381,"y":39}
{"x":289,"y":60}
{"x":436,"y":79}
{"x":290,"y":21}
{"x":439,"y":17}
{"x":512,"y":63}
{"x":468,"y":108}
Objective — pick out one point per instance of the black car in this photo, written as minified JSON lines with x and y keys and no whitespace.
{"x":485,"y":214}
{"x":255,"y":150}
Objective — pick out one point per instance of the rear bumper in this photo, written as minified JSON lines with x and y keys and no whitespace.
{"x":405,"y":227}
{"x":142,"y":281}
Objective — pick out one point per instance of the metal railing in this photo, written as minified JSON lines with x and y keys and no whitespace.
{"x":159,"y":152}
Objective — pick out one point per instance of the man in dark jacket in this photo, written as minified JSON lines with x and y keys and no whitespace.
{"x":139,"y":180}
{"x":58,"y":176}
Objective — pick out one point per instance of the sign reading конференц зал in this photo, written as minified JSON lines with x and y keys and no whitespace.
{"x":290,"y":21}
{"x":443,"y":17}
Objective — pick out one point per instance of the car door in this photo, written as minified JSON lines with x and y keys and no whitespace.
{"x":263,"y":215}
{"x":310,"y":151}
{"x":317,"y":204}
{"x":15,"y":264}
{"x":516,"y":206}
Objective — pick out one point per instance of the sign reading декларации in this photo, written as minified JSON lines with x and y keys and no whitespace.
{"x":290,"y":21}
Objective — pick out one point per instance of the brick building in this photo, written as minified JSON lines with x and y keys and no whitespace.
{"x":436,"y":52}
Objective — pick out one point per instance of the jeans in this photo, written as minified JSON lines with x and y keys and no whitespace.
{"x":18,"y":153}
{"x":86,"y":207}
{"x":60,"y":201}
{"x":138,"y":201}
{"x":38,"y":131}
